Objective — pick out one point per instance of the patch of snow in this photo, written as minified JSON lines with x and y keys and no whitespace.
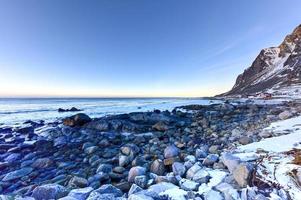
{"x":281,"y":143}
{"x":217,"y":176}
{"x":174,"y":194}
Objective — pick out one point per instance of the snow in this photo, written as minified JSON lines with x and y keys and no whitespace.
{"x":217,"y":176}
{"x":281,"y":143}
{"x":174,"y":194}
{"x":276,"y":166}
{"x":275,"y":64}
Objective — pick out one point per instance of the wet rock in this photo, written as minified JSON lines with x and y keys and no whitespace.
{"x":73,"y":109}
{"x":160,"y":126}
{"x":49,"y":191}
{"x":76,"y":120}
{"x":12,"y":158}
{"x":100,"y":125}
{"x":171,"y":151}
{"x":135,"y":171}
{"x":158,"y":167}
{"x":17,"y":174}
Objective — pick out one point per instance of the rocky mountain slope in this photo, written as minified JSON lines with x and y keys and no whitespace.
{"x":275,"y":70}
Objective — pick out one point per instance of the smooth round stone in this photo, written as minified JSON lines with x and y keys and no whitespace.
{"x":171,"y":151}
{"x":135,"y":171}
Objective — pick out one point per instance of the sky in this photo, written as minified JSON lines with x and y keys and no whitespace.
{"x":135,"y":48}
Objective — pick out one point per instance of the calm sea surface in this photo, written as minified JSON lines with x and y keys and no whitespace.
{"x":19,"y":110}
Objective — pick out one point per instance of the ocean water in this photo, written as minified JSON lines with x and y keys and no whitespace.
{"x":19,"y":110}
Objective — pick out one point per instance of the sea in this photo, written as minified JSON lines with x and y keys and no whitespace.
{"x":14,"y":111}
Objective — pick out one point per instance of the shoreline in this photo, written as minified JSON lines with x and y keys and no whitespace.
{"x":135,"y":155}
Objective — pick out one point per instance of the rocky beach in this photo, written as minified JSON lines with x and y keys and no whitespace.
{"x":192,"y":152}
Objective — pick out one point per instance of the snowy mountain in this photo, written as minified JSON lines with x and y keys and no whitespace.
{"x":275,"y":70}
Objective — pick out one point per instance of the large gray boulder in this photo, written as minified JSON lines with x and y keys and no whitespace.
{"x":242,"y":174}
{"x":178,"y":169}
{"x":230,"y":161}
{"x":49,"y":191}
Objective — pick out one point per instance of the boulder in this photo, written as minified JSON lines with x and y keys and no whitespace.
{"x":104,"y":192}
{"x":210,"y":160}
{"x":171,"y":151}
{"x":100,"y":125}
{"x":49,"y":191}
{"x":42,"y":163}
{"x":192,"y":171}
{"x":285,"y":115}
{"x":230,"y":161}
{"x":178,"y":169}
{"x":188,"y":185}
{"x":141,"y":181}
{"x":98,"y":196}
{"x":245,"y":140}
{"x":201,"y":176}
{"x":214,"y":149}
{"x":139,"y":196}
{"x":228,"y":191}
{"x":160,"y":126}
{"x":158,"y":167}
{"x":135,"y":171}
{"x":80,"y":194}
{"x":105,"y":168}
{"x":78,"y":182}
{"x":134,"y":189}
{"x":161,"y":187}
{"x":76,"y":120}
{"x":13,"y":157}
{"x":242,"y":174}
{"x":17,"y":174}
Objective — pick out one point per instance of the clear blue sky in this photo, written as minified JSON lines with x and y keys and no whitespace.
{"x":135,"y":47}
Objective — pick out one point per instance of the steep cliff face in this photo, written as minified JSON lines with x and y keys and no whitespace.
{"x":275,"y":70}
